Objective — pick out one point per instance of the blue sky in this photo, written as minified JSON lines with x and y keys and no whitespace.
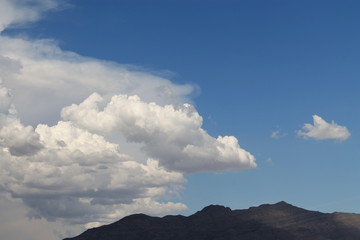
{"x":255,"y":68}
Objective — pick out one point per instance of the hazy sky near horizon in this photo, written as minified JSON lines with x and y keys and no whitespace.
{"x":109,"y":108}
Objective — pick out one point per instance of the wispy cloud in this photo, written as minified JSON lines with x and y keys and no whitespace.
{"x":39,"y":69}
{"x":17,"y":12}
{"x":277,"y":134}
{"x":322,"y":130}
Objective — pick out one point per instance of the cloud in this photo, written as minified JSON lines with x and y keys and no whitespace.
{"x":39,"y":69}
{"x":79,"y":176}
{"x":19,"y":140}
{"x":6,"y":103}
{"x":17,"y":12}
{"x":171,"y":134}
{"x":277,"y":134}
{"x":321,"y":130}
{"x":66,"y":172}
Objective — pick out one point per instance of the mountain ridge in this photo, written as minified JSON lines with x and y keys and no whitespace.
{"x":280,"y":221}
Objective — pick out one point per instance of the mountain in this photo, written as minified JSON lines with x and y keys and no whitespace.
{"x":280,"y":221}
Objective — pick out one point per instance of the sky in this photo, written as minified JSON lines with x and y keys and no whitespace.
{"x":109,"y":108}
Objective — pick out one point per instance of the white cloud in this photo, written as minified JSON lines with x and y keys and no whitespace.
{"x":321,"y":130}
{"x":79,"y":176}
{"x":16,"y":12}
{"x":19,"y":140}
{"x":38,"y":70}
{"x":171,"y":134}
{"x":277,"y":134}
{"x":66,"y":172}
{"x":6,"y":106}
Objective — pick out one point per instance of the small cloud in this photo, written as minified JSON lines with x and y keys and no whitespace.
{"x":269,"y":160}
{"x":277,"y":134}
{"x":322,"y":130}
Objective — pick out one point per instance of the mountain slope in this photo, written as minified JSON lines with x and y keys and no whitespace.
{"x":267,"y":222}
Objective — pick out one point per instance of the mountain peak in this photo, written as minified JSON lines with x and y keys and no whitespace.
{"x":215,"y":208}
{"x":282,"y":203}
{"x":278,"y":204}
{"x":213,"y":211}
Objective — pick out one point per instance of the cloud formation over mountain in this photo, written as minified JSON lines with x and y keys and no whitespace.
{"x":124,"y":140}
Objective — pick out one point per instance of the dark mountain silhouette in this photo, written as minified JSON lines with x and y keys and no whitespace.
{"x":280,"y":221}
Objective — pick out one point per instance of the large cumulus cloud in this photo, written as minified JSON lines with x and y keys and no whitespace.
{"x":77,"y":175}
{"x":171,"y":134}
{"x":71,"y":171}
